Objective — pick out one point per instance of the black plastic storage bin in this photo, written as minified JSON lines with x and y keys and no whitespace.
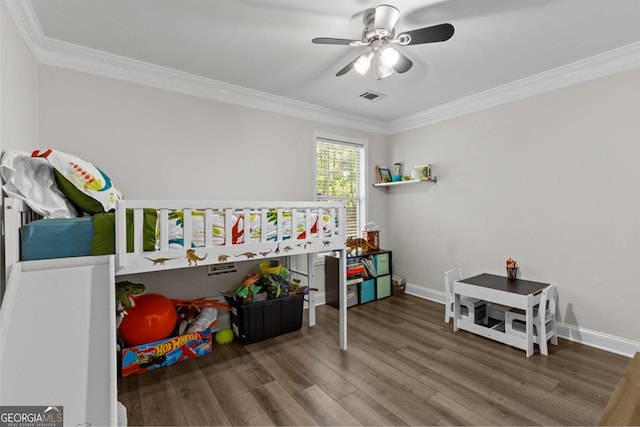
{"x":267,"y":319}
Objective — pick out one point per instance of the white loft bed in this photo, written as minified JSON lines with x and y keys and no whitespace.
{"x":57,"y":319}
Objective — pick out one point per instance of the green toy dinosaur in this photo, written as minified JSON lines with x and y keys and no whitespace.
{"x":124,"y":297}
{"x":126,"y":290}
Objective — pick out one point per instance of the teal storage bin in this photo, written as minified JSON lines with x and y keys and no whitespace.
{"x":367,"y":291}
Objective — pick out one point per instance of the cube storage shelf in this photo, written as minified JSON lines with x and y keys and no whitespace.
{"x":360,"y":290}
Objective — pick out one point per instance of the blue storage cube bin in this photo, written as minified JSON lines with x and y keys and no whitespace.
{"x":367,"y":291}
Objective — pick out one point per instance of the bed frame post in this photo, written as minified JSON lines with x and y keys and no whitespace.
{"x":12,"y":222}
{"x":342,"y":285}
{"x":121,"y":233}
{"x":311,"y":285}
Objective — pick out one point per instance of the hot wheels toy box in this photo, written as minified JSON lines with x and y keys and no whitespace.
{"x":165,"y":352}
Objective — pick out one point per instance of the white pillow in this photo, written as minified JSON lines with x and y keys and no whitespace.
{"x":88,"y":188}
{"x":31,"y":179}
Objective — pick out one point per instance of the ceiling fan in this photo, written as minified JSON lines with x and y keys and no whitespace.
{"x":379,"y":35}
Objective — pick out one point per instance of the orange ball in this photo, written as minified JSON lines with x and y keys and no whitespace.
{"x":152,"y":318}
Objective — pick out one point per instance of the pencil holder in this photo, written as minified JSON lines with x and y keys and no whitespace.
{"x":512,"y":272}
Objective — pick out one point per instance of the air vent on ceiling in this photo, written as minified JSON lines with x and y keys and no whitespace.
{"x":372,"y":96}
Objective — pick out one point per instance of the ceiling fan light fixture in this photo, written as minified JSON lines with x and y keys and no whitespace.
{"x":389,"y":56}
{"x":381,"y":69}
{"x":363,"y":63}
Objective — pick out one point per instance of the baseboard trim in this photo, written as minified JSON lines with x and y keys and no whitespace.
{"x":610,"y":343}
{"x":426,"y":293}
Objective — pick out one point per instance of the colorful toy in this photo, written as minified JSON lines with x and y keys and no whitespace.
{"x":248,"y":288}
{"x":165,"y":352}
{"x":187,"y":314}
{"x":152,"y":318}
{"x":199,"y":314}
{"x":224,"y":336}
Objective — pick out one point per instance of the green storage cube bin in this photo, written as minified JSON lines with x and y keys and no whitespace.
{"x":383,"y":286}
{"x":381,"y":262}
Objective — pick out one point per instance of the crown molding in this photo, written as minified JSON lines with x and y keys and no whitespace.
{"x":27,"y":23}
{"x":78,"y":58}
{"x":601,"y":65}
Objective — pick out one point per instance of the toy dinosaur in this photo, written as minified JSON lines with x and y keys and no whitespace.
{"x":287,"y":248}
{"x":223,"y":257}
{"x":354,"y":243}
{"x":265,"y":253}
{"x":159,"y":261}
{"x":125,"y":291}
{"x":191,"y":256}
{"x":248,"y":254}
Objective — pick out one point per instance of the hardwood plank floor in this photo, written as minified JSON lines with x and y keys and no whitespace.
{"x":404,"y":366}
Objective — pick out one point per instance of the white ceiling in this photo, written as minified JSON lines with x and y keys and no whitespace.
{"x":265,"y":45}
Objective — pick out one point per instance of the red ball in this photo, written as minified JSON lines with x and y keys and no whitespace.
{"x":152,"y":318}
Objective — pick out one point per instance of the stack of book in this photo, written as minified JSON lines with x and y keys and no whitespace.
{"x":355,"y":269}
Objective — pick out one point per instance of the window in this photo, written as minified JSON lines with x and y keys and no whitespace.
{"x":340,"y":178}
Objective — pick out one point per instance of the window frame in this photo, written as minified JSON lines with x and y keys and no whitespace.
{"x":364,"y":188}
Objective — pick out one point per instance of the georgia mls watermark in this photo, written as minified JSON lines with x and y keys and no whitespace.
{"x":31,"y":416}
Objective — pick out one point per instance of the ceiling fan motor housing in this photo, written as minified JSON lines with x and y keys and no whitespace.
{"x":380,"y":22}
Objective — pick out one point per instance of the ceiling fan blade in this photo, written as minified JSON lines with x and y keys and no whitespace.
{"x":385,"y":19}
{"x":403,"y":65}
{"x":347,"y":67}
{"x":330,"y":40}
{"x":436,"y":33}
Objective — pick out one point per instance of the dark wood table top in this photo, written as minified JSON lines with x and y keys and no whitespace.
{"x":501,"y":283}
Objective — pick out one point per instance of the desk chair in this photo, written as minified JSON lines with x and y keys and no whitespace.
{"x":469,"y":307}
{"x":544,"y":321}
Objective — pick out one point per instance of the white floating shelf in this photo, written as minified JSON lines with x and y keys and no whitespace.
{"x":412,"y":181}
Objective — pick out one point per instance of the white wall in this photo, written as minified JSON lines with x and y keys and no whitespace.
{"x":162,"y":145}
{"x":18,"y":96}
{"x":551,"y":181}
{"x":18,"y":88}
{"x":159,"y":144}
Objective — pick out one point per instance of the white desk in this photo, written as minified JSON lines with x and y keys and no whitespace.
{"x":517,"y":293}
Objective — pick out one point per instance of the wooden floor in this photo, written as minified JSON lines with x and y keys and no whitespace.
{"x":404,"y":366}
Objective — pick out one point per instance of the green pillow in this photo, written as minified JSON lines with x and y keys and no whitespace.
{"x":90,"y":189}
